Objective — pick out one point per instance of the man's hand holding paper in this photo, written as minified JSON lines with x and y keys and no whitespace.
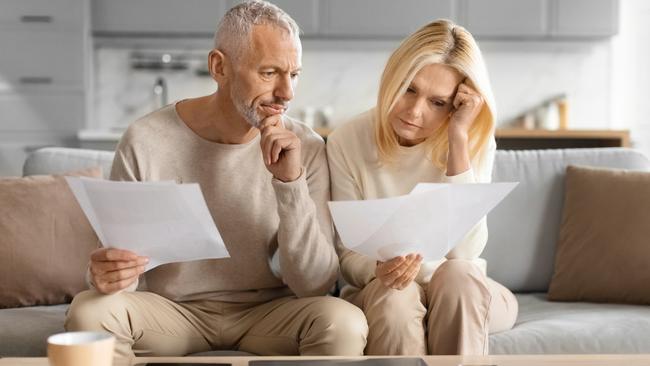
{"x":152,"y":223}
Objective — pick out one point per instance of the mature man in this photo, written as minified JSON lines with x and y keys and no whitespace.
{"x":266,"y":182}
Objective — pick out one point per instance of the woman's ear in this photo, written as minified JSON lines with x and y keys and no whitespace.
{"x":217,"y":65}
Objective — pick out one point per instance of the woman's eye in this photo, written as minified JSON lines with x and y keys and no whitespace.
{"x":410,"y":90}
{"x":438,"y":103}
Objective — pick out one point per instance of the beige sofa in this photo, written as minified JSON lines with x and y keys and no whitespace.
{"x":523,"y":231}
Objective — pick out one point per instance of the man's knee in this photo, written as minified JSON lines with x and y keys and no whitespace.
{"x":343,"y":324}
{"x":90,"y":310}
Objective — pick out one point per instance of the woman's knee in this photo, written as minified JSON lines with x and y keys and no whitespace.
{"x":393,"y":307}
{"x":456,"y":279}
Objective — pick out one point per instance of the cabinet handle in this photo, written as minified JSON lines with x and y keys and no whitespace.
{"x":35,"y":80}
{"x":36,"y":19}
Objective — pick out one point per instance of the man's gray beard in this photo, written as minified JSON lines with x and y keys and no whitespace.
{"x":249,"y":113}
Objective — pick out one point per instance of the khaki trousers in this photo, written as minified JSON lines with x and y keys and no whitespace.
{"x":453,"y":314}
{"x":146,"y":324}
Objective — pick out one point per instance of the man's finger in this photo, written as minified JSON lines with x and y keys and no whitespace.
{"x":112,"y":254}
{"x":104,"y":267}
{"x":123,"y":274}
{"x":109,"y":288}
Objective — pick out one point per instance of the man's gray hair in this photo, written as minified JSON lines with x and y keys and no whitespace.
{"x":234,"y":30}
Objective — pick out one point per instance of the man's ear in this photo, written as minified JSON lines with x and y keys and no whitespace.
{"x":217,"y":65}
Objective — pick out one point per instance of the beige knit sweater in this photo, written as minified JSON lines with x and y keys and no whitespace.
{"x":256,"y":214}
{"x":356,"y":174}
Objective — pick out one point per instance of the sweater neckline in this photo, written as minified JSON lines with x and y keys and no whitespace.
{"x":210,"y":144}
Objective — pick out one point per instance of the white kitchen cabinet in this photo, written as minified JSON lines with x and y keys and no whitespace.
{"x":60,"y":15}
{"x":380,"y":18}
{"x":584,"y":18}
{"x":505,"y":18}
{"x":151,"y":17}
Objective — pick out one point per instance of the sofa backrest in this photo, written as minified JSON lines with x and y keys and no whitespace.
{"x":524,"y":228}
{"x":53,"y":160}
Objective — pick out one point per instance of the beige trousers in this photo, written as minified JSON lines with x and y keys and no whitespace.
{"x":146,"y":324}
{"x":453,"y":314}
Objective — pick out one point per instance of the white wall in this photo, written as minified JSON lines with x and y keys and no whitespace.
{"x":631,"y":73}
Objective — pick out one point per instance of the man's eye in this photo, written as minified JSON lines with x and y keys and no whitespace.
{"x":294,"y":75}
{"x":268,"y":74}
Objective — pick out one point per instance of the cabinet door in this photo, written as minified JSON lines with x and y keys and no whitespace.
{"x":585,"y":18}
{"x":380,"y":18}
{"x":143,"y":17}
{"x":505,"y":18}
{"x":42,"y":112}
{"x":43,"y":14}
{"x":41,"y":60}
{"x":304,"y":12}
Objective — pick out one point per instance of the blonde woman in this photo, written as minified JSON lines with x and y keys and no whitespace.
{"x":434,"y":122}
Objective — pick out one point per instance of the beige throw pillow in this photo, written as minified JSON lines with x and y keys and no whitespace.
{"x":45,"y":240}
{"x":603,"y":254}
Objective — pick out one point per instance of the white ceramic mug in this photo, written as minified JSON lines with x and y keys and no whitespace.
{"x":81,"y":349}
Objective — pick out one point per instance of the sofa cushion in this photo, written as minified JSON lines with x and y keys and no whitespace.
{"x":45,"y":241}
{"x":574,"y":328}
{"x":603,"y":254}
{"x":525,"y":226}
{"x":24,"y":331}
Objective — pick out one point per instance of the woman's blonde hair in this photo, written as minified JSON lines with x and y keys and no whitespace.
{"x":439,"y":42}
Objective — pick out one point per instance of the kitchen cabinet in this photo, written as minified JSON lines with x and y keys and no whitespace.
{"x":380,"y":18}
{"x":151,"y":17}
{"x":59,"y":15}
{"x":539,"y":19}
{"x":41,"y":60}
{"x":304,"y":12}
{"x":42,"y":112}
{"x":505,"y":18}
{"x":584,"y":18}
{"x":44,"y":76}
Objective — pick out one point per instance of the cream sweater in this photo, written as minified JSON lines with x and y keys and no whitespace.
{"x":256,"y":214}
{"x":356,"y":174}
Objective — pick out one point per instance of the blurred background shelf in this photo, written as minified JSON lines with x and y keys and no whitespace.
{"x":520,"y":139}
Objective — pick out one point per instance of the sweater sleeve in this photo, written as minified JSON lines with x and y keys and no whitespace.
{"x":308,"y":261}
{"x":357,"y":269}
{"x":472,"y":245}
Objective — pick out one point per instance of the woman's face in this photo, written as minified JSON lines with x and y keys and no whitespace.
{"x":426,"y":105}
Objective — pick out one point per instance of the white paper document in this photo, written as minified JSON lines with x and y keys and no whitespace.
{"x":164,"y":221}
{"x":430,"y":220}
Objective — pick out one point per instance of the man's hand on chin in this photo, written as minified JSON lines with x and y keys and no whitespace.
{"x":280,"y":149}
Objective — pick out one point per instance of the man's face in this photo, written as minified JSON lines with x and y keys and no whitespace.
{"x":265,"y":75}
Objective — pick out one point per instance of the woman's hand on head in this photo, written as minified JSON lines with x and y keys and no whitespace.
{"x":467,"y":105}
{"x":398,"y":272}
